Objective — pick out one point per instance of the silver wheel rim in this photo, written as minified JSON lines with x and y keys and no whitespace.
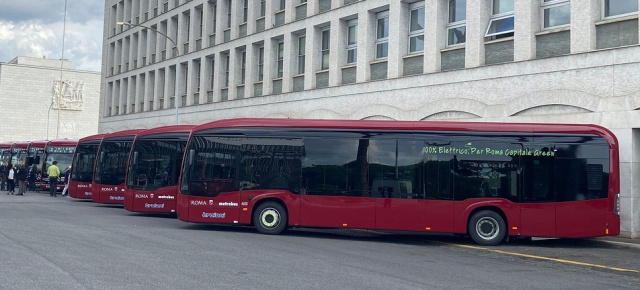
{"x":269,"y":218}
{"x":487,"y":228}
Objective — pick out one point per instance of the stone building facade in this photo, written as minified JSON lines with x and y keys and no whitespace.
{"x":31,"y":96}
{"x":558,"y":61}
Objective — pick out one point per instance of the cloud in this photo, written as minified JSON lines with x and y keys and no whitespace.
{"x":51,"y":11}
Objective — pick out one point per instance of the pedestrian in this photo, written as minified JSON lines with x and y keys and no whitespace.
{"x":33,"y":172}
{"x":21,"y":177}
{"x":67,"y":176}
{"x":3,"y":176}
{"x":54,"y":172}
{"x":11,"y":185}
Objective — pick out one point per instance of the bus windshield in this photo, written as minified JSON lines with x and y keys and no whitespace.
{"x":112,"y":162}
{"x":83,"y":163}
{"x":155,"y":164}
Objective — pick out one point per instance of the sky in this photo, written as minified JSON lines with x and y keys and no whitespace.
{"x":34,"y":28}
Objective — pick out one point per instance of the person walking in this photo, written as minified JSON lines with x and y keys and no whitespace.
{"x":21,"y":177}
{"x":67,"y":176}
{"x":33,"y":172}
{"x":54,"y":172}
{"x":11,"y":185}
{"x":3,"y":176}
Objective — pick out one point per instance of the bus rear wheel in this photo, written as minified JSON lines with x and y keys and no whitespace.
{"x":270,"y":218}
{"x":487,"y":228}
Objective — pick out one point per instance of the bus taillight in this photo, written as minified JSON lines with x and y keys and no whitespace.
{"x":616,"y":209}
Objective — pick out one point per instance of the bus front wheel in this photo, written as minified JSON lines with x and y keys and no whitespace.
{"x":270,"y":218}
{"x":487,"y":228}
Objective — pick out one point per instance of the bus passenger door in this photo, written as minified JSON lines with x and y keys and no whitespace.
{"x":538,"y":199}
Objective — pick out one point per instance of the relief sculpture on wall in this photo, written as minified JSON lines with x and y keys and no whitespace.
{"x":67,"y":96}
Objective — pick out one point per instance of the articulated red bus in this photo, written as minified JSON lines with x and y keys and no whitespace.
{"x":83,"y":165}
{"x":60,"y":150}
{"x":487,"y":180}
{"x":154,"y":169}
{"x":111,"y":167}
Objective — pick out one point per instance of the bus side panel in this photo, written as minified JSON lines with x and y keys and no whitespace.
{"x":414,"y":214}
{"x":79,"y":189}
{"x":182,"y":207}
{"x":337,"y":211}
{"x":108,"y":193}
{"x":581,"y":219}
{"x":221,"y":209}
{"x":161,"y":200}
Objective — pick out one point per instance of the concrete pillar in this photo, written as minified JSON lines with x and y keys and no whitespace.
{"x":251,"y":75}
{"x":527,"y":23}
{"x":398,"y":37}
{"x":289,"y":59}
{"x":435,"y":34}
{"x":312,"y":57}
{"x":221,"y":20}
{"x":584,"y":14}
{"x":478,"y":14}
{"x":366,"y":45}
{"x":269,"y":71}
{"x":234,"y":73}
{"x":337,"y":51}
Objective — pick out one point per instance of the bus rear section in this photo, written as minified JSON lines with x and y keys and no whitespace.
{"x":154,"y":168}
{"x":486,"y":180}
{"x":111,"y":164}
{"x":83,"y":166}
{"x":60,"y":150}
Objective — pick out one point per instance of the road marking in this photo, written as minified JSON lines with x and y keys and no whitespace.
{"x":546,"y":258}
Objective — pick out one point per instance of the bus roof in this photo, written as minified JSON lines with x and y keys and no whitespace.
{"x":414,"y":125}
{"x":22,"y":144}
{"x":166,"y":129}
{"x":91,"y":138}
{"x":39,"y":143}
{"x":6,"y":145}
{"x":132,"y":132}
{"x":63,"y":142}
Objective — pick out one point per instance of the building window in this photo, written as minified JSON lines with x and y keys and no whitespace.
{"x":416,"y":27}
{"x":243,"y":66}
{"x":502,"y":18}
{"x":301,"y":51}
{"x":324,"y":49}
{"x":280,"y":55}
{"x":282,"y":4}
{"x":226,"y":71}
{"x":382,"y":35}
{"x":245,"y":11}
{"x":555,"y":13}
{"x":352,"y":41}
{"x":260,"y":63}
{"x":615,"y":8}
{"x":263,"y":8}
{"x":229,"y":14}
{"x":457,"y":23}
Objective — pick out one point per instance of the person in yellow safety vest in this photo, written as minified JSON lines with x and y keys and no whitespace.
{"x":54,"y":173}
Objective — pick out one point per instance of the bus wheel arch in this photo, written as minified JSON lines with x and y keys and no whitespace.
{"x":270,"y":216}
{"x":487,"y":226}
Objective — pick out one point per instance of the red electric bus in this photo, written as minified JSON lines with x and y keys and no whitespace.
{"x":60,"y":150}
{"x":111,"y":166}
{"x":5,"y":152}
{"x":19,"y":151}
{"x":83,"y":165}
{"x":154,"y":169}
{"x":36,"y":153}
{"x":487,"y":180}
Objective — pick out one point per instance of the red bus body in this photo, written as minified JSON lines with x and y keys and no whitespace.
{"x":60,"y":150}
{"x":147,"y":190}
{"x":112,"y":190}
{"x":83,"y":166}
{"x":570,"y":219}
{"x":19,"y":151}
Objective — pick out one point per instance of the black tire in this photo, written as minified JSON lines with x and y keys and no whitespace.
{"x":487,"y":228}
{"x":270,"y":218}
